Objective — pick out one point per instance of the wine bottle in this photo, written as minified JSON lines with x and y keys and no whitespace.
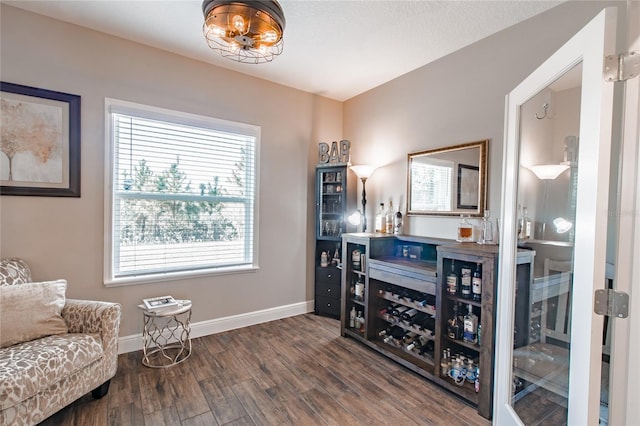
{"x":476,"y":284}
{"x":428,"y":347}
{"x":429,"y":324}
{"x":465,"y":282}
{"x":398,"y":310}
{"x":418,"y":343}
{"x":426,"y":299}
{"x":452,"y":281}
{"x":395,"y":335}
{"x":352,"y":317}
{"x":385,"y":332}
{"x":409,"y":314}
{"x":409,"y":337}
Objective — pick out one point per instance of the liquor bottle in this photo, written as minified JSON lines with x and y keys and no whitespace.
{"x":380,"y":219}
{"x":470,"y":327}
{"x":465,"y":229}
{"x":486,"y":232}
{"x":476,"y":284}
{"x":453,"y":325}
{"x":444,"y":364}
{"x":524,"y":224}
{"x":352,"y":317}
{"x":360,"y":322}
{"x":465,"y":282}
{"x":452,"y":281}
{"x":360,"y":289}
{"x":397,"y":223}
{"x":389,"y":215}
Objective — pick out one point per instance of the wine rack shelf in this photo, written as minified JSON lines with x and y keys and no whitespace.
{"x":391,"y":284}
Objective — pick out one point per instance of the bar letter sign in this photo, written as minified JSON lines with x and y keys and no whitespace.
{"x":335,"y":154}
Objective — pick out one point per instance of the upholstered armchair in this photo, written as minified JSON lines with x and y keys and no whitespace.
{"x":53,"y":350}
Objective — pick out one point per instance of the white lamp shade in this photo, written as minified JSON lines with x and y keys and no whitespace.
{"x":363,"y":171}
{"x":548,"y":171}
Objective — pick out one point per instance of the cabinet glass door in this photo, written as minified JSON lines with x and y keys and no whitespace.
{"x":331,"y":201}
{"x":555,"y":200}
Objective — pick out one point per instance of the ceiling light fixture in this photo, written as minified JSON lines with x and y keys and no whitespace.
{"x":244,"y":31}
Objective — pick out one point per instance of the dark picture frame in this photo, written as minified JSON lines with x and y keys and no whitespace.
{"x":468,"y":189}
{"x":40,"y":139}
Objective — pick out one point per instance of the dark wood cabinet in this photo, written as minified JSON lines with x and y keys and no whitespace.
{"x":335,"y":190}
{"x":406,"y":308}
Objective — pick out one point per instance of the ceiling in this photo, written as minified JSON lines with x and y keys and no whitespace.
{"x":333,"y":48}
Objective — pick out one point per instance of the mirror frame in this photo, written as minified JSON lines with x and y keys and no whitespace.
{"x":483,"y":146}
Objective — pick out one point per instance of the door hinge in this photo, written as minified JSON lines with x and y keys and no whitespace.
{"x":611,"y":303}
{"x":622,"y":67}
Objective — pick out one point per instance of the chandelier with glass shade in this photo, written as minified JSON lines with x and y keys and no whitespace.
{"x":244,"y":31}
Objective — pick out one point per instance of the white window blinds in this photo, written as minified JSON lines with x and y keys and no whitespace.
{"x":431,"y":187}
{"x":183,"y":193}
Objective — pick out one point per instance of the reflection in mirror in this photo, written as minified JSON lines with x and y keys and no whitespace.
{"x":448,"y":181}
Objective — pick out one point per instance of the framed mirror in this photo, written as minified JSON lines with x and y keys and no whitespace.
{"x":448,"y":181}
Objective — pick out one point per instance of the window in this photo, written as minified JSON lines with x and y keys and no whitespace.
{"x":182,"y":194}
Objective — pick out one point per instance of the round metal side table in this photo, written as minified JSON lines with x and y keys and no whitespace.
{"x":165,"y":335}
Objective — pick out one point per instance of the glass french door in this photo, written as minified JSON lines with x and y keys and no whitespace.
{"x":554,"y":202}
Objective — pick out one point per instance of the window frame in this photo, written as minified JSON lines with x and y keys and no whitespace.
{"x":115,"y":106}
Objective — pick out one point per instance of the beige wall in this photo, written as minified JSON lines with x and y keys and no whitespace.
{"x":64,"y":237}
{"x":459,"y":98}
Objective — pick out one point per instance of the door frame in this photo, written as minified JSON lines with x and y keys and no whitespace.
{"x":589,"y":46}
{"x":624,"y":383}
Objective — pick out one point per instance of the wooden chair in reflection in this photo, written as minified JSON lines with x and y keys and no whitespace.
{"x":545,"y":362}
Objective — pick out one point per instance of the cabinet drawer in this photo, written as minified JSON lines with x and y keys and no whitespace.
{"x":404,"y":281}
{"x":328,"y":306}
{"x":328,"y":289}
{"x":330,"y":274}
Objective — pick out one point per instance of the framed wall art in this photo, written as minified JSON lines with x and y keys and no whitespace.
{"x":40,"y":142}
{"x":468,"y":188}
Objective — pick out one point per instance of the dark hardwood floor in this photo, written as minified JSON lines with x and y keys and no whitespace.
{"x":294,"y":371}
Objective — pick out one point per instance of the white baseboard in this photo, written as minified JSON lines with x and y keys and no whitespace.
{"x":133,"y":342}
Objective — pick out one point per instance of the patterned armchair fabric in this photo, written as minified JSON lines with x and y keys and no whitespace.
{"x":39,"y":377}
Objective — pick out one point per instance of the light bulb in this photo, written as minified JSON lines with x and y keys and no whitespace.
{"x":355,"y":218}
{"x":217,"y":31}
{"x":562,"y":225}
{"x":238,"y":23}
{"x":269,"y":36}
